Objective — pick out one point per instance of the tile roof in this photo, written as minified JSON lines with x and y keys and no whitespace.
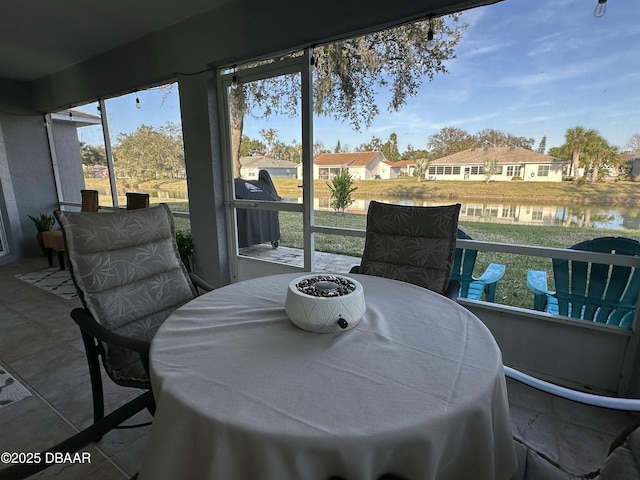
{"x":502,"y":155}
{"x":355,"y":159}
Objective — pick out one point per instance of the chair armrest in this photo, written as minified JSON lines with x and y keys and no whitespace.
{"x":493,"y":273}
{"x":199,"y":283}
{"x":87,"y":323}
{"x":537,"y":282}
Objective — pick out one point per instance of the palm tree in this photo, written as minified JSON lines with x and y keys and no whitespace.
{"x":602,"y":153}
{"x":577,"y":140}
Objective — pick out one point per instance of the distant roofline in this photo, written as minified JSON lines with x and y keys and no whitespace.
{"x":502,"y":156}
{"x":353,"y":159}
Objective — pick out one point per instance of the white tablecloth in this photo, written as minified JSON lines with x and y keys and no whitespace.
{"x":416,"y":389}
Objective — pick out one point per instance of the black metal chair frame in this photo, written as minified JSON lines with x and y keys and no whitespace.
{"x":92,"y":334}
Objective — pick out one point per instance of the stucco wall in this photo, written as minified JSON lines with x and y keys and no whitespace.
{"x":28,"y":187}
{"x":528,"y":173}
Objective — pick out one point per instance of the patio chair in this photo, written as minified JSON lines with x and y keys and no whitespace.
{"x":591,"y":291}
{"x":137,"y":200}
{"x":623,"y":460}
{"x":89,"y":201}
{"x":464,"y":262}
{"x":127,"y":270}
{"x":412,"y":244}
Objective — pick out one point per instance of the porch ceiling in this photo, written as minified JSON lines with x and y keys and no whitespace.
{"x":44,"y":44}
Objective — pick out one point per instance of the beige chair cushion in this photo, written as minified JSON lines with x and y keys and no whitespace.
{"x":128,"y":272}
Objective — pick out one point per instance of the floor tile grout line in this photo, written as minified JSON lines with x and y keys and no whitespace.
{"x":48,"y":404}
{"x":44,"y":401}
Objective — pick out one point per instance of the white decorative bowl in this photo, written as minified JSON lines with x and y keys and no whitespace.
{"x":325,"y":303}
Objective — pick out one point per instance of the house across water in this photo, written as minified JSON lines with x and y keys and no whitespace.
{"x":360,"y":165}
{"x":480,"y":164}
{"x":251,"y":166}
{"x":497,"y":164}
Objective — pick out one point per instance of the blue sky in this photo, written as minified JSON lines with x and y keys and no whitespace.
{"x":529,"y":68}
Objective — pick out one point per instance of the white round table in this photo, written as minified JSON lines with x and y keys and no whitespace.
{"x":416,"y":389}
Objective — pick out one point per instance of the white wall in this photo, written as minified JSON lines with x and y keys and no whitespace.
{"x":528,"y":173}
{"x":570,"y":352}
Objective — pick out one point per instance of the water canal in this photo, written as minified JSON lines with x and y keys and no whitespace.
{"x":586,"y":216}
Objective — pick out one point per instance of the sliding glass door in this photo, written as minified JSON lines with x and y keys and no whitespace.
{"x":267,"y":125}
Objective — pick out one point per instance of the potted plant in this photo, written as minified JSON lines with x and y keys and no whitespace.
{"x":43,"y":222}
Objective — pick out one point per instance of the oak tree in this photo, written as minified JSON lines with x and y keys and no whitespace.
{"x":349,"y":73}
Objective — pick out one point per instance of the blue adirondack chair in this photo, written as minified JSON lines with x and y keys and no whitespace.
{"x":464,"y":261}
{"x":591,"y":291}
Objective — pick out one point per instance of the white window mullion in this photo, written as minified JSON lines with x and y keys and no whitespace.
{"x":109,"y":153}
{"x":307,"y":160}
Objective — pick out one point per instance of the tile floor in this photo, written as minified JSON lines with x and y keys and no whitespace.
{"x":324,"y":262}
{"x":41,"y":347}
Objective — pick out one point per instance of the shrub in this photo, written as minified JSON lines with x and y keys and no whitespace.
{"x":341,"y":191}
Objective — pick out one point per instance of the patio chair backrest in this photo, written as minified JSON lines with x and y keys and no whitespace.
{"x":126,"y":267}
{"x":598,"y":292}
{"x":90,"y":201}
{"x":464,"y":261}
{"x":137,"y":200}
{"x":411,"y":244}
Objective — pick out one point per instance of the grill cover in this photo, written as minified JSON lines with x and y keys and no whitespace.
{"x":257,"y":226}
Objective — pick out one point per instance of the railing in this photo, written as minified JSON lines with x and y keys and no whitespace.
{"x":123,"y":207}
